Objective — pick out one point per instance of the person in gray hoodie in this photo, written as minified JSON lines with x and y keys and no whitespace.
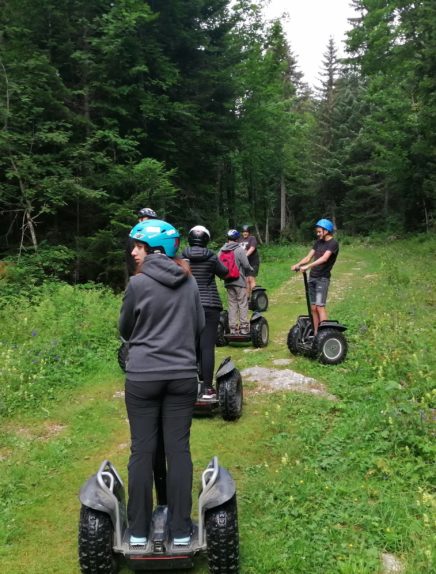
{"x":161,"y":318}
{"x":235,"y":283}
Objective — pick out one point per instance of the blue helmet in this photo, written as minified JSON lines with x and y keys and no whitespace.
{"x":233,"y":234}
{"x":158,"y":235}
{"x":325,"y":224}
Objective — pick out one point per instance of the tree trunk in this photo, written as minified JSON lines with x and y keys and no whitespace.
{"x":258,"y":233}
{"x":267,"y":230}
{"x":427,"y":219}
{"x":282,"y":203}
{"x":386,"y":202}
{"x":30,"y":225}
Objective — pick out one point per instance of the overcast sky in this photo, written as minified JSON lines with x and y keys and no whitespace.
{"x":309,"y":25}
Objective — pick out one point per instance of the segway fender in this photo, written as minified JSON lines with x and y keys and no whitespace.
{"x":332,"y":325}
{"x":93,"y":496}
{"x":104,"y":492}
{"x":226,"y":367}
{"x":255,"y":317}
{"x":223,"y":490}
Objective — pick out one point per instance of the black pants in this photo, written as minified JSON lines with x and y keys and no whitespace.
{"x":207,"y":344}
{"x":146,"y":402}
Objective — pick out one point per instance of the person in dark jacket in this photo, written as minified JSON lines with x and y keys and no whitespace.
{"x":144,"y":214}
{"x":205,"y":265}
{"x":161,"y":318}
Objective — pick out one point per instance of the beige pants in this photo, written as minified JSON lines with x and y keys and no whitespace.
{"x":238,"y":309}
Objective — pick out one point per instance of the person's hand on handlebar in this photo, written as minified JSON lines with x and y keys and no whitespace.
{"x":299,"y":268}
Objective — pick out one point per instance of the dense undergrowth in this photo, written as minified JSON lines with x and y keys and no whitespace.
{"x":52,"y":337}
{"x":324,"y":486}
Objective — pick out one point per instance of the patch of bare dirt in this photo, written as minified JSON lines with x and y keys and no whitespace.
{"x":52,"y":429}
{"x":272,"y":380}
{"x":5,"y":453}
{"x":44,"y":432}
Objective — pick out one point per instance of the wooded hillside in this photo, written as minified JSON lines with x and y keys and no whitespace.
{"x":197,"y":109}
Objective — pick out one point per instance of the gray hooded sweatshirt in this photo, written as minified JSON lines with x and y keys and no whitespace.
{"x":161,"y":318}
{"x":241,"y":261}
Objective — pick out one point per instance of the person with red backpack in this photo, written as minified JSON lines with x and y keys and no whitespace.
{"x":233,"y":256}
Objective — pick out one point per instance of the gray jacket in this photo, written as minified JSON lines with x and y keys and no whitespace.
{"x":241,"y":261}
{"x":161,"y":318}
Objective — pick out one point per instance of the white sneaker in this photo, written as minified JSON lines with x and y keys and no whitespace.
{"x":182,"y":541}
{"x":209,"y":394}
{"x":138,"y":541}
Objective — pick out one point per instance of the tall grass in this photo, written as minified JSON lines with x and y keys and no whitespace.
{"x":51,"y":341}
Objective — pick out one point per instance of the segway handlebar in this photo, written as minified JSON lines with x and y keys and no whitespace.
{"x":306,"y":289}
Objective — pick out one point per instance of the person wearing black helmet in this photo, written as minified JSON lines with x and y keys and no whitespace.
{"x":146,"y":213}
{"x":320,"y":261}
{"x":143,"y":214}
{"x":249,"y":243}
{"x":233,"y":256}
{"x":205,"y":265}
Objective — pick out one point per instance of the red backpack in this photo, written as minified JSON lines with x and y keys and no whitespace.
{"x":227,"y":258}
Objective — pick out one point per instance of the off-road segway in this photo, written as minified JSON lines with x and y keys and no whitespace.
{"x":104,"y":532}
{"x":258,"y":335}
{"x":258,"y":300}
{"x":229,"y":395}
{"x":328,"y":346}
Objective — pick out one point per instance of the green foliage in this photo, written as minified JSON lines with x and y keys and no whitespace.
{"x":32,"y":268}
{"x":51,"y":338}
{"x":200,"y":111}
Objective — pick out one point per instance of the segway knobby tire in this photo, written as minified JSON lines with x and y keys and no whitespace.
{"x":292,"y":340}
{"x":95,"y":543}
{"x":260,"y":333}
{"x":230,"y":395}
{"x":123,"y":351}
{"x":223,"y":538}
{"x":330,"y":346}
{"x":220,"y":340}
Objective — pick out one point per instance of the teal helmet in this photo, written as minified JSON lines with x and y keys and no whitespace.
{"x":325,"y":224}
{"x":158,"y":235}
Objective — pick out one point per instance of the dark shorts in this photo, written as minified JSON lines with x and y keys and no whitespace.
{"x":255,"y":270}
{"x":318,"y":289}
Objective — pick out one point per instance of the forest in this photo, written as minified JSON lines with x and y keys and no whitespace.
{"x":198,"y":109}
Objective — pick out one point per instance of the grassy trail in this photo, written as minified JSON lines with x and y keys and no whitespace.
{"x":269,"y":452}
